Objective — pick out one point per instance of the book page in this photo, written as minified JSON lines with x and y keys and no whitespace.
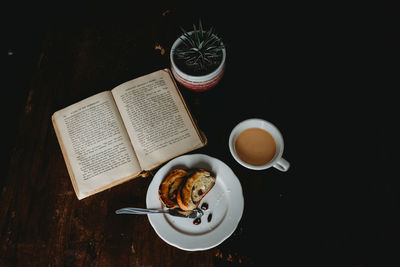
{"x":95,"y":144}
{"x":156,"y":118}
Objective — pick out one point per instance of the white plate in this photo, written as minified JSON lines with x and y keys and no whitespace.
{"x":225,"y":203}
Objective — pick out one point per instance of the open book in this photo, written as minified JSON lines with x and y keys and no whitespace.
{"x":117,"y":135}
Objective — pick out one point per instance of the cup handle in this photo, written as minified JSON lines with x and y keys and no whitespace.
{"x":282,"y":165}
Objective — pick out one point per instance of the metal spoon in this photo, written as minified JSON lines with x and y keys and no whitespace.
{"x":194,"y":214}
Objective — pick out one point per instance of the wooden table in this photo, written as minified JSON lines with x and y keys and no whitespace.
{"x":287,"y":65}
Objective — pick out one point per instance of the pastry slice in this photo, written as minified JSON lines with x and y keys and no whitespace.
{"x":194,"y":189}
{"x":168,"y":189}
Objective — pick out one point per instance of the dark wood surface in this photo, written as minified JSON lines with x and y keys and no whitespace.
{"x":315,"y":75}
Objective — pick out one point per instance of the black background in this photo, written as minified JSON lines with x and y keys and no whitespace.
{"x":323,"y":74}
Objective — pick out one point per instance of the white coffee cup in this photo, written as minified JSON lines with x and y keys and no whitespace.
{"x":277,"y":161}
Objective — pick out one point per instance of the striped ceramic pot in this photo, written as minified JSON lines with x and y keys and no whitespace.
{"x":197,"y":83}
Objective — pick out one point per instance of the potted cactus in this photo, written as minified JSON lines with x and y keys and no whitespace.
{"x":198,"y":59}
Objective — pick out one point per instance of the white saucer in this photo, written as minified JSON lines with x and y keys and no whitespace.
{"x":225,"y":203}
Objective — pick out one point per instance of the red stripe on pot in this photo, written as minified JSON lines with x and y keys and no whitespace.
{"x":198,"y":86}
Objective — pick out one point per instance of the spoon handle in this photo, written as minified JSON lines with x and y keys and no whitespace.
{"x":139,"y":211}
